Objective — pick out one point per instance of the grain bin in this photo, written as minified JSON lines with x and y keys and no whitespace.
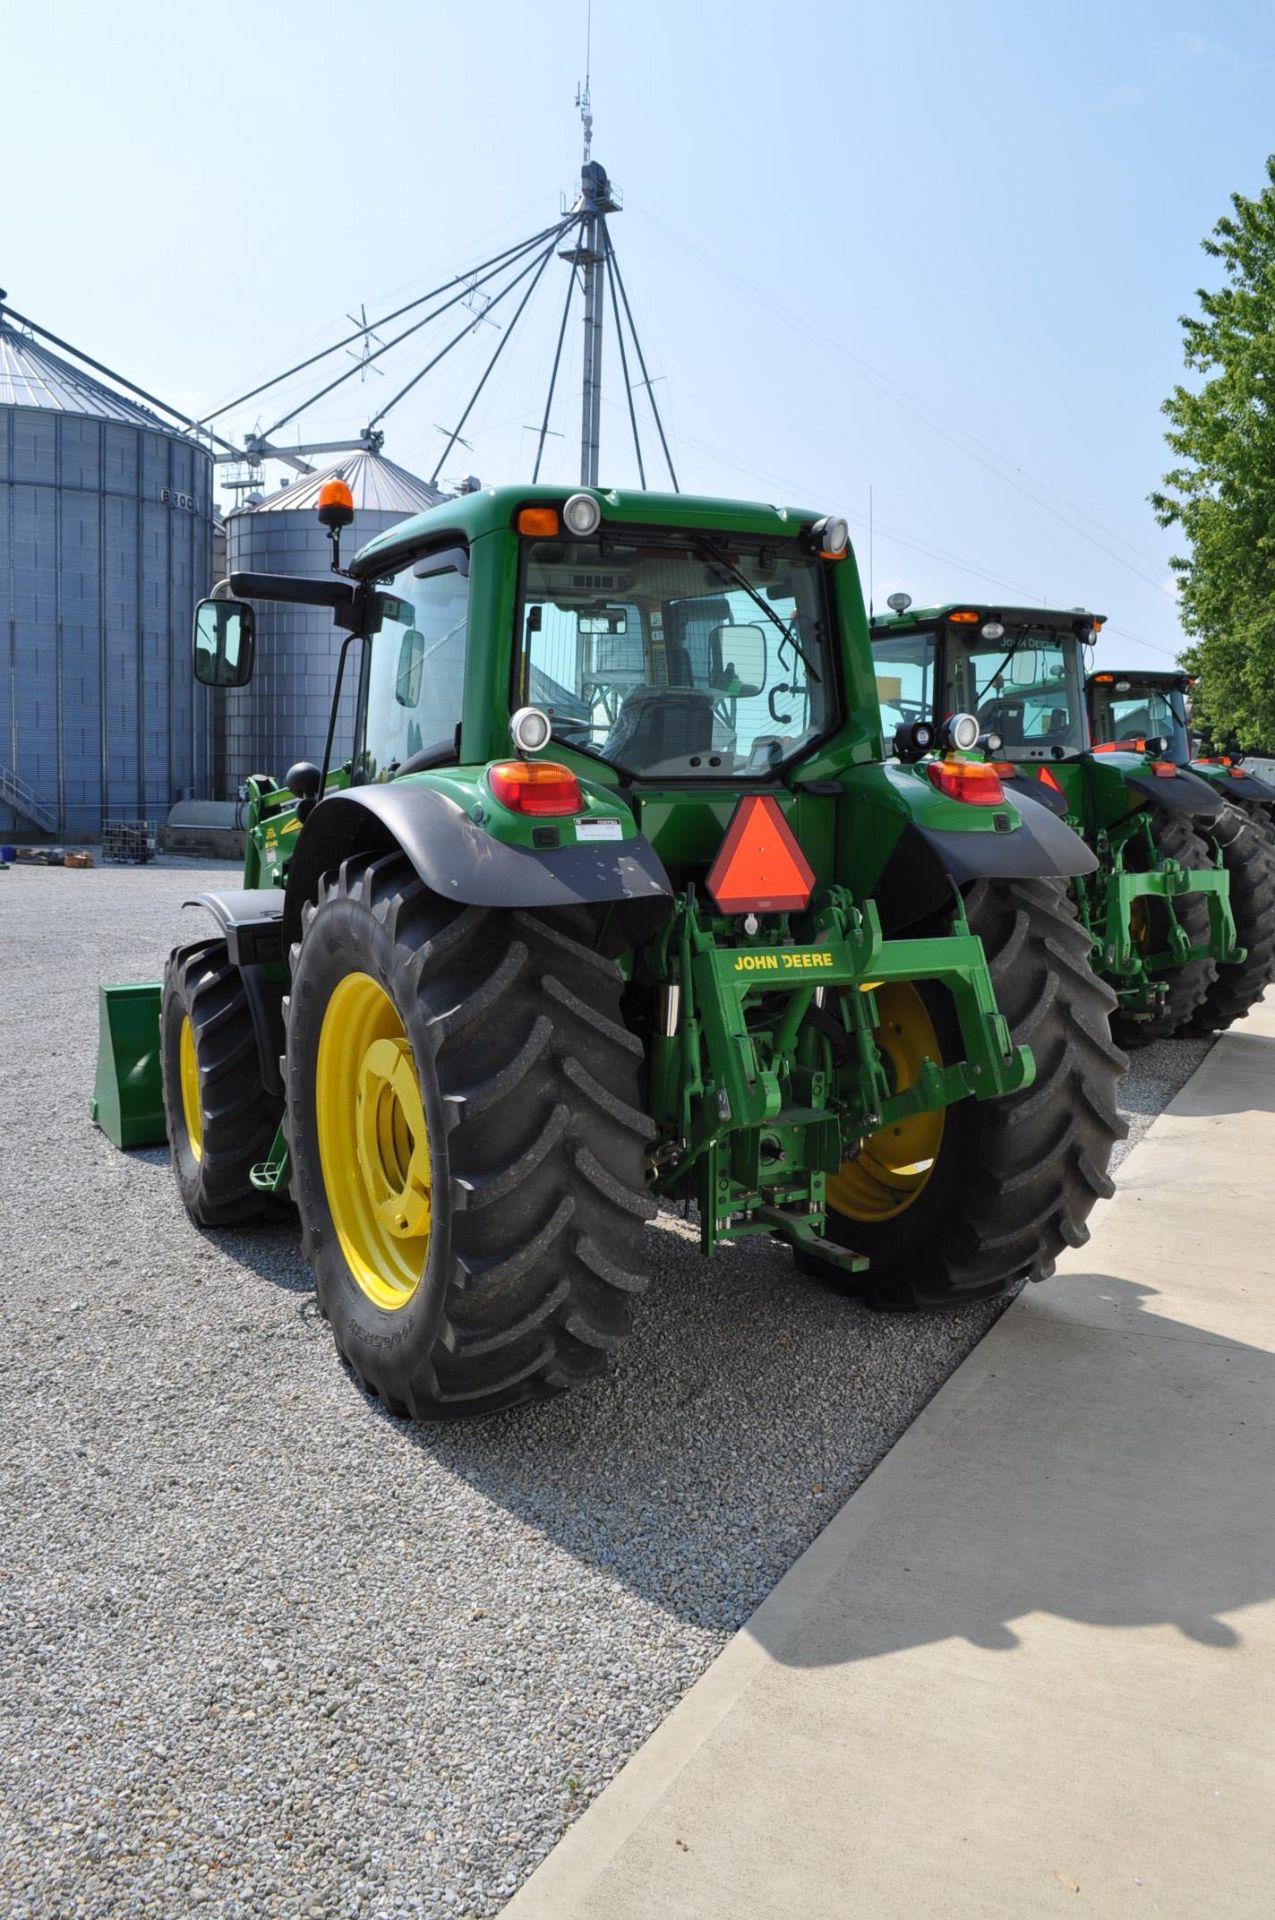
{"x":282,"y":715}
{"x":105,"y":545}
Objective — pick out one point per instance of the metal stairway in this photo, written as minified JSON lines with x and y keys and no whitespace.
{"x":17,"y":794}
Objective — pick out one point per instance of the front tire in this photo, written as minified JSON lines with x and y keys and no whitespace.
{"x":1012,"y":1181}
{"x":221,"y":1119}
{"x":474,"y":1220}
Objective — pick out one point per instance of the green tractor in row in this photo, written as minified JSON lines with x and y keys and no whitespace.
{"x":1150,"y":704}
{"x":1180,"y":903}
{"x":616,"y":901}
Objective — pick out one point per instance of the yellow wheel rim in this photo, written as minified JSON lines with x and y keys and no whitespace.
{"x":893,"y":1166}
{"x":192,"y":1111}
{"x":373,"y":1141}
{"x":1140,"y":923}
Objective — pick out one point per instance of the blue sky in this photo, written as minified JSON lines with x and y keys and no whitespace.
{"x":930,"y":251}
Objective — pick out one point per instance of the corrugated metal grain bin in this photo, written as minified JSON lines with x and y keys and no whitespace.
{"x":282,"y":715}
{"x":105,"y":545}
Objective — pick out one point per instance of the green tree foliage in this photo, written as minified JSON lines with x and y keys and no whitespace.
{"x":1222,"y":492}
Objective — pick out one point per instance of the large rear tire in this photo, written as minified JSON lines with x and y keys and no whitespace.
{"x":1250,"y":862}
{"x":1262,"y":815}
{"x":1013,"y":1181}
{"x":1175,"y":838}
{"x":221,"y":1119}
{"x":467,"y":1142}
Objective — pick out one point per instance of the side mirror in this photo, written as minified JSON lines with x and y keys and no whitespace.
{"x":225,"y":643}
{"x":411,"y":667}
{"x":739,"y":661}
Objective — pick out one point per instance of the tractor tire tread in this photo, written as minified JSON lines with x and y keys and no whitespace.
{"x":1250,"y":862}
{"x":240,"y":1117}
{"x":537,"y":1141}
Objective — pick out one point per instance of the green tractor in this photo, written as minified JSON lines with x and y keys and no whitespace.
{"x":1178,"y":905}
{"x":616,"y":901}
{"x":1146,"y":704}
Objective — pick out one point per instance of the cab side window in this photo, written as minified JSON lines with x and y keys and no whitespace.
{"x":415,"y":682}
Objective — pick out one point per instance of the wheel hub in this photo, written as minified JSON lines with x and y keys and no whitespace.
{"x":373,"y":1141}
{"x":393,"y":1144}
{"x":892,"y":1167}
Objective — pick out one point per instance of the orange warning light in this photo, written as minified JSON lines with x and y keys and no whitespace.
{"x":760,"y":867}
{"x":539,"y":520}
{"x":336,"y":504}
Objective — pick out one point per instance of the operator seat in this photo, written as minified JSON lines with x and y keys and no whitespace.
{"x":660,"y":723}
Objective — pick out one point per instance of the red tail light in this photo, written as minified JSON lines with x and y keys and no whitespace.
{"x":535,"y":786}
{"x":1049,"y":779}
{"x":973,"y":781}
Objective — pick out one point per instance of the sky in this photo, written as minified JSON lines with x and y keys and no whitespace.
{"x":918,"y":263}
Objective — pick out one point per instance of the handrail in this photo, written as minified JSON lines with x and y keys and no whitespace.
{"x":24,"y":799}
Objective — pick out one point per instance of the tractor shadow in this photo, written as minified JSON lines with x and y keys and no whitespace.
{"x":752,"y":1404}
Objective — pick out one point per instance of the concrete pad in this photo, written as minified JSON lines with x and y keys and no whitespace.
{"x":1029,"y":1668}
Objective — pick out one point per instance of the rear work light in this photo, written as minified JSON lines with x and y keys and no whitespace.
{"x":973,"y":781}
{"x":535,"y":786}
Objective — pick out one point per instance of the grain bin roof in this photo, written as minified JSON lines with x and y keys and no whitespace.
{"x":31,"y":376}
{"x":377,"y":484}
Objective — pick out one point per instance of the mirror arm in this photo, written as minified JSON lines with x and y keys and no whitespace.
{"x":346,"y":644}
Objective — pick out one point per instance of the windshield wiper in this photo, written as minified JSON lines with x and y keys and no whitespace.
{"x":714,"y":553}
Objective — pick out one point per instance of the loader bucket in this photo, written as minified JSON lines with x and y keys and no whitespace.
{"x":128,"y":1101}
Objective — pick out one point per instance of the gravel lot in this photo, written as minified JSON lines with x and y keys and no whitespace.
{"x":265,"y":1651}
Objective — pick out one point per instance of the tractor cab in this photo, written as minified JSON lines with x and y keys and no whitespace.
{"x":1127,"y":710}
{"x":1130,"y":710}
{"x":1005,"y":681}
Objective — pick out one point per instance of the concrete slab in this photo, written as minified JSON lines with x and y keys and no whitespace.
{"x":1029,"y":1668}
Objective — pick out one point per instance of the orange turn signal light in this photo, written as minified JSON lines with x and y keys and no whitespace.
{"x":538,"y":520}
{"x":535,"y":786}
{"x":1104,"y":679}
{"x":1163,"y":769}
{"x":974,"y":781}
{"x":965,"y":616}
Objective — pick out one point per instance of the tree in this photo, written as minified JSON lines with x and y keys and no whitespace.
{"x":1222,"y":492}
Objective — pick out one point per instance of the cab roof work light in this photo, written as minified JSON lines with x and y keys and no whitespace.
{"x":760,"y":867}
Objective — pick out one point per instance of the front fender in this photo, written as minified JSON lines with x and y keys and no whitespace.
{"x":458,"y":860}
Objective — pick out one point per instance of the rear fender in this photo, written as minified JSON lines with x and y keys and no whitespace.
{"x":929,"y":864}
{"x":458,"y":860}
{"x":1243,"y":786}
{"x":1179,"y":792}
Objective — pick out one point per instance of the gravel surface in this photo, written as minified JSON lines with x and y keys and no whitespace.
{"x":263,"y":1650}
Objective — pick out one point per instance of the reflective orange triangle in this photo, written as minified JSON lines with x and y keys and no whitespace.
{"x":760,"y":867}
